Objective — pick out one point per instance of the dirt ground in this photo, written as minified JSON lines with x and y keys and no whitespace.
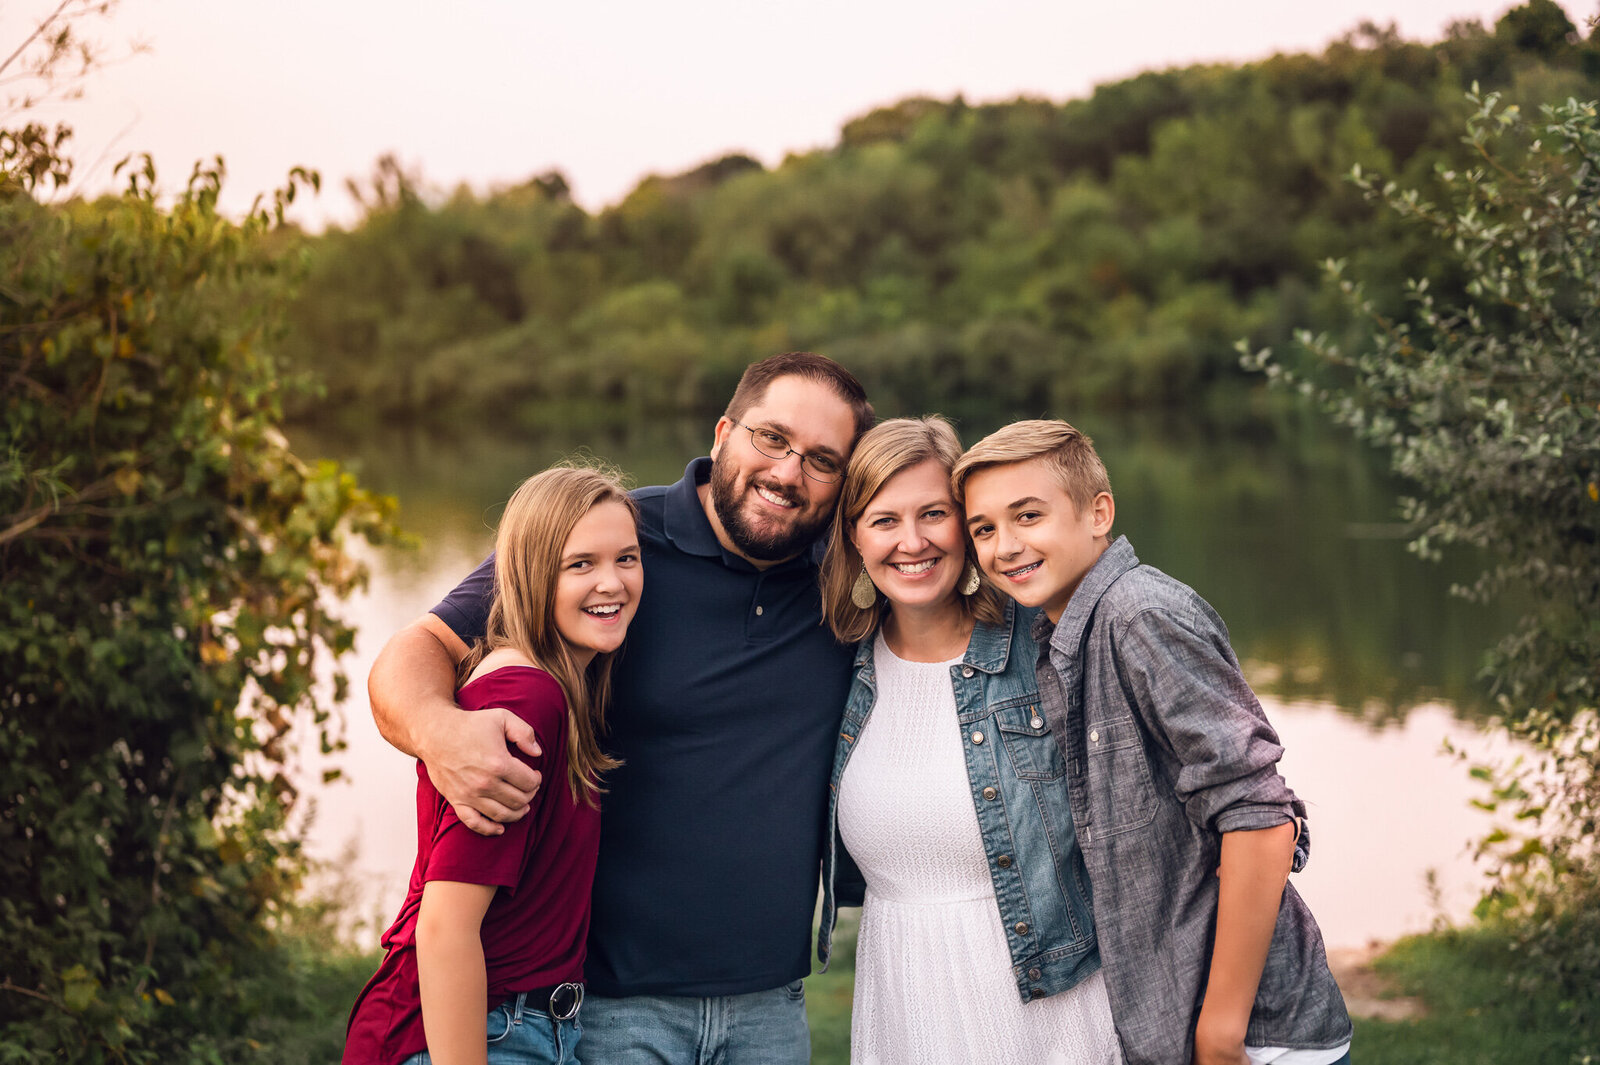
{"x":1367,"y":993}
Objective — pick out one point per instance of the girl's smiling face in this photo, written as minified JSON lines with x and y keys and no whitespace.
{"x":599,"y":581}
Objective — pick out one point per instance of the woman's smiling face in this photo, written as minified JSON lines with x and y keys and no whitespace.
{"x":912,"y":540}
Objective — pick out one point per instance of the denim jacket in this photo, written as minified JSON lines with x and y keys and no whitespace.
{"x":1016,"y":773}
{"x":1167,"y":749}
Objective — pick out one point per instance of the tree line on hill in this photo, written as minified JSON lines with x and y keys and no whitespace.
{"x":1026,"y":255}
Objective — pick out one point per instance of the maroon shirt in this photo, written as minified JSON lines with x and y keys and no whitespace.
{"x":533,"y":933}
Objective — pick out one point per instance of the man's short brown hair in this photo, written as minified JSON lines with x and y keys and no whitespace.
{"x":758,"y":376}
{"x":1066,"y":452}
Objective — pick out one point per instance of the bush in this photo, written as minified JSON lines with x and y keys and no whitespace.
{"x":166,"y":570}
{"x":1490,"y":404}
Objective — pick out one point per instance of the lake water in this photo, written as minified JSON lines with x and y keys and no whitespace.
{"x":1363,"y":660}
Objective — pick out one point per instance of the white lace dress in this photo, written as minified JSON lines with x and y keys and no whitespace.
{"x":933,"y":972}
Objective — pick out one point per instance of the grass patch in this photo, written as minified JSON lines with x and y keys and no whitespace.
{"x":1478,"y":1014}
{"x":828,"y":996}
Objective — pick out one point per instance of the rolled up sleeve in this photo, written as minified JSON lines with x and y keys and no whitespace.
{"x":1186,"y":685}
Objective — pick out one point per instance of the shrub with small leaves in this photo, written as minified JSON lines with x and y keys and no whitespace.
{"x":1490,"y":405}
{"x":167,"y":567}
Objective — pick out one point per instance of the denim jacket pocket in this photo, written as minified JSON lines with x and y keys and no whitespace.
{"x":1117,"y":758}
{"x":1029,"y":743}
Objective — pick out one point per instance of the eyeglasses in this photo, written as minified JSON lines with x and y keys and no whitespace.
{"x":776,"y":446}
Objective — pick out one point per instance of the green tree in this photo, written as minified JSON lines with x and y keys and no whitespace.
{"x":1489,"y":402}
{"x":167,"y":570}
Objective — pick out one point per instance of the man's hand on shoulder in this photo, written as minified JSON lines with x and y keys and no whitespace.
{"x":412,"y":689}
{"x":471,"y":764}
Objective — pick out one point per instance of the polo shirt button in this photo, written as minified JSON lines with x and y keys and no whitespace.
{"x":990,"y":793}
{"x":758,"y":611}
{"x":1021,"y":928}
{"x":977,"y":737}
{"x":966,"y":671}
{"x":1034,"y":974}
{"x":1004,"y":861}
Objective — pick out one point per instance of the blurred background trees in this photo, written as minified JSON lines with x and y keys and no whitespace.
{"x":1105,"y":252}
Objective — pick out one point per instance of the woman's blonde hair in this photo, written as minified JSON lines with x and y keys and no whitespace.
{"x":528,"y":548}
{"x":884,"y":451}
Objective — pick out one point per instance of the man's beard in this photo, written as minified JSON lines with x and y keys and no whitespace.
{"x":774,"y":546}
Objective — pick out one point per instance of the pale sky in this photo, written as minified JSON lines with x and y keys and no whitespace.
{"x":491,"y":92}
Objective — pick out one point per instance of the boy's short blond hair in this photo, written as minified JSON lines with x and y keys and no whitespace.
{"x":1066,"y":452}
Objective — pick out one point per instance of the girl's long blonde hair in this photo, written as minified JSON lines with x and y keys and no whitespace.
{"x":528,"y":547}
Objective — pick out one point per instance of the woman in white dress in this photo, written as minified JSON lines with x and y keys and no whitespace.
{"x":949,"y":793}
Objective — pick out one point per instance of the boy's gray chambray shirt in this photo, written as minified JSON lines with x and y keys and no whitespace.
{"x":1167,"y":749}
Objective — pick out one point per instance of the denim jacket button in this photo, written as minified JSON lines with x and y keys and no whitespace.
{"x":1034,"y":974}
{"x":1094,"y":737}
{"x":990,"y":793}
{"x":966,"y":671}
{"x":1021,"y":928}
{"x":977,"y":736}
{"x":1037,"y":722}
{"x":1004,"y":861}
{"x":1037,"y":992}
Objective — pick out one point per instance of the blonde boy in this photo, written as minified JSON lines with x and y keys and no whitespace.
{"x":1188,"y":830}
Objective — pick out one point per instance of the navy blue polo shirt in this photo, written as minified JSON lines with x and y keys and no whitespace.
{"x":724,"y":710}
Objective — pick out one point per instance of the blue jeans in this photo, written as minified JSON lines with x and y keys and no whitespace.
{"x":521,"y":1035}
{"x":761,"y":1028}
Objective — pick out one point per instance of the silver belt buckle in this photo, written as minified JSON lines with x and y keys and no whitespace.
{"x":565,"y":1000}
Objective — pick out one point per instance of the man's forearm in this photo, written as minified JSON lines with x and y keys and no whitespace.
{"x":412,"y":689}
{"x":412,"y":686}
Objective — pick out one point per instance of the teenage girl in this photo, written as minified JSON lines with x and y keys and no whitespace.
{"x":485,"y":961}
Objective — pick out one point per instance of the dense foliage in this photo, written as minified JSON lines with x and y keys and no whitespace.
{"x":166,"y":571}
{"x":1020,"y":256}
{"x":1488,"y":400}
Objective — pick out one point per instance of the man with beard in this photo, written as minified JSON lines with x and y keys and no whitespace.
{"x":725,"y":705}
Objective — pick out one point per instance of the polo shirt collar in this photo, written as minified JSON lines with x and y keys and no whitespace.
{"x":685,"y":519}
{"x":686,"y":524}
{"x":1112,"y":563}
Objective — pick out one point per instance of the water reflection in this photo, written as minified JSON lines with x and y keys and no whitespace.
{"x":1365,"y":661}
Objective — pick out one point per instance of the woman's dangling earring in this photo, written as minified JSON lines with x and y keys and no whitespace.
{"x":863,"y":593}
{"x":969,"y":579}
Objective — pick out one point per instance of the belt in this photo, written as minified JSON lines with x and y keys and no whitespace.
{"x":560,"y":1001}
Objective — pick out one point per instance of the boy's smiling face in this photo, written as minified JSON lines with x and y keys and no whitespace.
{"x":1030,"y":538}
